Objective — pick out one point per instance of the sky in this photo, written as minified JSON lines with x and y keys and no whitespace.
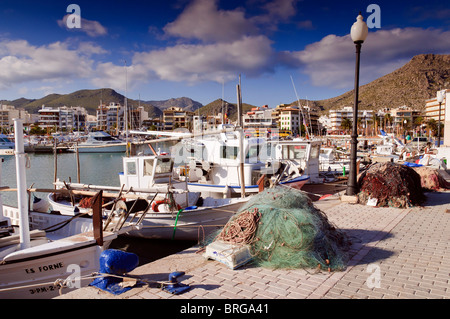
{"x":155,"y":50}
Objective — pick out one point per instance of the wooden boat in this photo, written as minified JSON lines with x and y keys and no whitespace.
{"x":43,"y":254}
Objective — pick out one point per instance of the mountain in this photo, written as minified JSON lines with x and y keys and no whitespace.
{"x":410,"y":85}
{"x":183,"y":102}
{"x":230,"y":109}
{"x":89,"y":99}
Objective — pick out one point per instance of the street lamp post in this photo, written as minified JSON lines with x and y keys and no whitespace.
{"x":358,"y":34}
{"x":440,"y":99}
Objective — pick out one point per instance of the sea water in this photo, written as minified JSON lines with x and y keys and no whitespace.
{"x":95,"y":168}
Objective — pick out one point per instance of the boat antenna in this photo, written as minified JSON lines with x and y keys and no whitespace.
{"x":301,"y":109}
{"x":126,"y":106}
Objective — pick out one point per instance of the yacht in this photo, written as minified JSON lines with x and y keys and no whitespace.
{"x":100,"y":142}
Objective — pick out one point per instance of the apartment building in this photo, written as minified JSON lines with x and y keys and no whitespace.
{"x":337,"y":116}
{"x":259,"y":117}
{"x":404,"y":117}
{"x":432,"y":107}
{"x":175,"y":117}
{"x":62,"y":118}
{"x":8,"y":113}
{"x":110,"y":117}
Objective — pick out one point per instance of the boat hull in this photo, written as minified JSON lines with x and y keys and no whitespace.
{"x":196,"y":224}
{"x":33,"y":278}
{"x":191,"y":224}
{"x":105,"y":149}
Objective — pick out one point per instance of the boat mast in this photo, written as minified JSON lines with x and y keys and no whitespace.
{"x":126,"y":107}
{"x":22,"y":198}
{"x":301,"y":110}
{"x":241,"y":137}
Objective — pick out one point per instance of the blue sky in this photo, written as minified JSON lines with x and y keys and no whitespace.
{"x":157,"y":50}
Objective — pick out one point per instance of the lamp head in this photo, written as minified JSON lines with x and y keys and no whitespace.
{"x":359,"y":30}
{"x":440,"y":96}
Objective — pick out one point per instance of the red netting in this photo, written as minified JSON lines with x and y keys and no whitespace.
{"x":392,"y":185}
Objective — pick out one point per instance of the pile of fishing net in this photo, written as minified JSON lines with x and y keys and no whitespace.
{"x":284,"y":230}
{"x":392,"y":185}
{"x":430,"y":179}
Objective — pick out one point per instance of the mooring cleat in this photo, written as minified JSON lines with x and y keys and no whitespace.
{"x":174,"y":287}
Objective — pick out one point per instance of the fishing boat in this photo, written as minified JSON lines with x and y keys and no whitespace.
{"x":224,"y":165}
{"x":100,"y":142}
{"x":333,"y":161}
{"x":42,"y":254}
{"x":6,"y":145}
{"x":172,"y":211}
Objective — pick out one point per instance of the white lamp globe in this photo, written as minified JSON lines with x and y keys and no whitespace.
{"x":440,"y":96}
{"x":359,"y":30}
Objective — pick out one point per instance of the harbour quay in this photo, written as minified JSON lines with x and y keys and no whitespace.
{"x":395,"y":253}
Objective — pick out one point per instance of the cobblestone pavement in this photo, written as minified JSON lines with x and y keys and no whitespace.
{"x":395,"y":254}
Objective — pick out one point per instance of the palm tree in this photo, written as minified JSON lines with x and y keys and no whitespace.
{"x":432,"y":126}
{"x":418,"y":121}
{"x":388,"y":119}
{"x":346,"y":125}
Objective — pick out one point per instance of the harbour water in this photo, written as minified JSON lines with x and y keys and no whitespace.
{"x":95,"y":168}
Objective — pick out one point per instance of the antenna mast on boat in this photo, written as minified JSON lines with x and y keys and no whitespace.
{"x":241,"y":137}
{"x":301,"y":110}
{"x":126,"y":107}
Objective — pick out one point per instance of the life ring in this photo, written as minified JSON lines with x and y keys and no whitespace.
{"x":155,"y":205}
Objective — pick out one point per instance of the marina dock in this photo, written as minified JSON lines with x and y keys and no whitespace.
{"x":396,"y":253}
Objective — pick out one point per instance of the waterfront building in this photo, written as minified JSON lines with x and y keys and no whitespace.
{"x":8,"y":113}
{"x":404,"y":118}
{"x":175,"y":117}
{"x":432,"y":107}
{"x":337,"y":116}
{"x":259,"y":117}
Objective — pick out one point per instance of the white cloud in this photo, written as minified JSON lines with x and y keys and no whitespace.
{"x":202,"y":20}
{"x":90,"y":27}
{"x":117,"y":77}
{"x":210,"y":62}
{"x":22,"y":62}
{"x":331,"y":61}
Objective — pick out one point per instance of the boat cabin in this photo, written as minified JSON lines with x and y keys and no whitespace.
{"x":146,"y":171}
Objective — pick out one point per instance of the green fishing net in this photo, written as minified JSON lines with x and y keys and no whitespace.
{"x":284,"y":230}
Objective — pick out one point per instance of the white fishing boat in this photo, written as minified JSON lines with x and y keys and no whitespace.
{"x":100,"y":142}
{"x":6,"y":145}
{"x":42,"y":254}
{"x":333,"y":161}
{"x":148,"y":183}
{"x":223,"y":165}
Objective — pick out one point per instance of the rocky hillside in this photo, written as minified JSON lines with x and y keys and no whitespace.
{"x":90,"y":99}
{"x":183,"y":102}
{"x":230,"y":109}
{"x":410,"y":85}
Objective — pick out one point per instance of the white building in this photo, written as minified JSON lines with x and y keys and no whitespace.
{"x":61,"y":118}
{"x":259,"y":117}
{"x":432,"y":112}
{"x":337,"y":116}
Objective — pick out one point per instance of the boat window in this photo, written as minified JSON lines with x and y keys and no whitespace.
{"x":253,"y":152}
{"x":148,"y":167}
{"x":315,"y":151}
{"x":131,"y":168}
{"x":229,"y":152}
{"x":294,"y":151}
{"x":164,"y":165}
{"x":103,"y":138}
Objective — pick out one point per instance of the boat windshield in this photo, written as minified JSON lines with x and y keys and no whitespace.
{"x":294,"y":151}
{"x":103,"y":138}
{"x":164,"y":165}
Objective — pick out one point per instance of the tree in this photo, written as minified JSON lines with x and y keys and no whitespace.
{"x":432,"y":126}
{"x":346,"y":125}
{"x":388,"y":119}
